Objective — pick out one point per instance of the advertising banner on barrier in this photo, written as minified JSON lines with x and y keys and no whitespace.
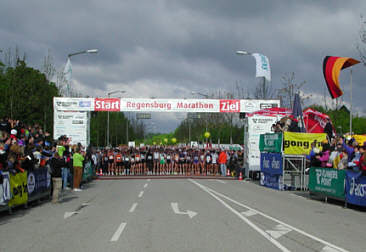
{"x":162,"y":105}
{"x":327,"y":181}
{"x":300,"y":143}
{"x":271,"y":170}
{"x":271,"y":181}
{"x":271,"y":142}
{"x":271,"y":163}
{"x":39,"y":180}
{"x":355,"y":188}
{"x":18,"y":188}
{"x":4,"y":188}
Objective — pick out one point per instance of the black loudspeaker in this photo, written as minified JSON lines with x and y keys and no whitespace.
{"x":242,"y":115}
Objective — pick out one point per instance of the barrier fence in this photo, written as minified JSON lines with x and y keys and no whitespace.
{"x":345,"y":185}
{"x":23,"y":188}
{"x":291,"y":148}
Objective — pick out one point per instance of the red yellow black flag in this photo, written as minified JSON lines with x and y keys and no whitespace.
{"x":332,"y":67}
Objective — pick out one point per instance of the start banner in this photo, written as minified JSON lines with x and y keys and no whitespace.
{"x":300,"y":143}
{"x":162,"y":105}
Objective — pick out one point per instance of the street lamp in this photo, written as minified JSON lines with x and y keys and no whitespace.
{"x":206,"y":96}
{"x":109,"y":95}
{"x":68,"y":69}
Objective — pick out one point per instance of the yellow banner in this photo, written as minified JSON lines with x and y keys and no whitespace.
{"x":18,"y":187}
{"x":300,"y":143}
{"x":360,"y":139}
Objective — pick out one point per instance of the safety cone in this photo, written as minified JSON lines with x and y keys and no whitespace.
{"x":100,"y":172}
{"x":240,"y":176}
{"x":228,"y":173}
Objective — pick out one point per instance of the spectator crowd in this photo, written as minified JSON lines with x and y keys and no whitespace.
{"x":28,"y":147}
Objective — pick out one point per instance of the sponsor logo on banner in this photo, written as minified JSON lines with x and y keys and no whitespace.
{"x":66,"y":104}
{"x":48,"y":180}
{"x":300,"y":143}
{"x":268,"y":105}
{"x":229,"y":106}
{"x":84,"y":104}
{"x":107,"y":104}
{"x":31,"y":182}
{"x":325,"y":177}
{"x":357,"y":189}
{"x":65,"y":116}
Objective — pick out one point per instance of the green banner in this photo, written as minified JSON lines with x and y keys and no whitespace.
{"x":327,"y":181}
{"x":271,"y":142}
{"x":18,"y":188}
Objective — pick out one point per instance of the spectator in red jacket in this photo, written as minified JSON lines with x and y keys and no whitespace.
{"x":222,"y":162}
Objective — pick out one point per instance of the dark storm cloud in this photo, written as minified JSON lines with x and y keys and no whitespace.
{"x":169,"y":48}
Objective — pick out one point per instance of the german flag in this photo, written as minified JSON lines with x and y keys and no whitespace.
{"x":332,"y":67}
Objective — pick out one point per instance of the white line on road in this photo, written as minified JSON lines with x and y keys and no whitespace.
{"x":328,"y":245}
{"x":249,"y":213}
{"x":145,"y":185}
{"x":141,"y":193}
{"x":278,"y":231}
{"x":255,"y":227}
{"x":118,"y":232}
{"x":69,"y":214}
{"x":133,"y":207}
{"x":221,"y":181}
{"x":175,"y":208}
{"x":148,"y":180}
{"x":328,"y":249}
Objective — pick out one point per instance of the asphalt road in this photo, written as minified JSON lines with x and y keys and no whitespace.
{"x":183,"y":215}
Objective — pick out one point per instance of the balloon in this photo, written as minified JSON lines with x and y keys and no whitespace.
{"x":174,"y":140}
{"x":207,"y":134}
{"x":165,"y":140}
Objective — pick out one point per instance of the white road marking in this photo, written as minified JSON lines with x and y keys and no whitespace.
{"x":175,"y":208}
{"x":148,"y":180}
{"x":141,"y":193}
{"x":255,"y":227}
{"x":221,"y":181}
{"x":329,"y":245}
{"x":278,"y":231}
{"x":145,"y":185}
{"x":118,"y":232}
{"x":133,"y":207}
{"x":69,"y":214}
{"x":249,"y":213}
{"x":328,"y":249}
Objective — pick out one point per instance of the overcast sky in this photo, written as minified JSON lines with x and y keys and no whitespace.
{"x":169,"y":48}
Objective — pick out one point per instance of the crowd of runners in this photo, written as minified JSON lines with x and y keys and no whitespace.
{"x":125,"y":161}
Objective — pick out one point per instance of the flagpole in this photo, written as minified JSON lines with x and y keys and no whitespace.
{"x":350,"y":115}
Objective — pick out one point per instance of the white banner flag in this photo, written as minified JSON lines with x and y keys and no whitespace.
{"x":262,"y":66}
{"x":68,"y":70}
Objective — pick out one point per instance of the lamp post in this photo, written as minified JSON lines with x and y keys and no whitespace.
{"x":204,"y":95}
{"x":109,"y":95}
{"x":68,"y":69}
